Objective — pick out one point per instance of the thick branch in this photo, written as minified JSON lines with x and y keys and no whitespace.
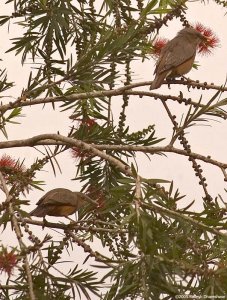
{"x":39,"y":139}
{"x":54,"y":139}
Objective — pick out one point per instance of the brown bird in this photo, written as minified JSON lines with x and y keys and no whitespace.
{"x":177,"y":56}
{"x":60,"y":203}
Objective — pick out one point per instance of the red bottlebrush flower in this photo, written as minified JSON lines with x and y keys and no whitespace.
{"x":85,"y":124}
{"x":7,"y":161}
{"x":89,"y":122}
{"x":97,"y":195}
{"x":157,"y":46}
{"x":101,"y":202}
{"x":8,"y":260}
{"x":199,"y":27}
{"x":78,"y":153}
{"x":212,"y":39}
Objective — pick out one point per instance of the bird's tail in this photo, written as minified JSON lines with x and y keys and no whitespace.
{"x":38,"y":212}
{"x":157,"y":82}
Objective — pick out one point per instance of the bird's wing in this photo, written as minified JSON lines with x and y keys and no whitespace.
{"x":84,"y":198}
{"x":174,"y":54}
{"x":58,"y":196}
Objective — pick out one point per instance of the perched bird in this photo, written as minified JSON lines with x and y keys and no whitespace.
{"x":177,"y":56}
{"x":60,"y":203}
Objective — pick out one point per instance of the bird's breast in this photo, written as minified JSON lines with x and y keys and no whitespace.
{"x":183,"y":68}
{"x":60,"y":210}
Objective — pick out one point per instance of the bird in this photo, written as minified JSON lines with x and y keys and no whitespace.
{"x":60,"y":202}
{"x":177,"y":56}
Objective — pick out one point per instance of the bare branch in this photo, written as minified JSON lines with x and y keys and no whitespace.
{"x":54,"y":139}
{"x":124,"y":90}
{"x":76,"y":226}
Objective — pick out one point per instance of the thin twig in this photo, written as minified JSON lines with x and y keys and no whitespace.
{"x":19,"y":237}
{"x":71,"y":226}
{"x":180,"y":134}
{"x":138,"y":195}
{"x":98,"y":257}
{"x":114,"y":92}
{"x":13,"y":287}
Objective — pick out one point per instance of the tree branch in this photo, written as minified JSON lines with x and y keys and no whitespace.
{"x":19,"y":237}
{"x":76,"y":226}
{"x":116,"y":92}
{"x":55,"y":139}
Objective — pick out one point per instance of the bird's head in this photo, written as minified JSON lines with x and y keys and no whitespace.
{"x":193,"y":35}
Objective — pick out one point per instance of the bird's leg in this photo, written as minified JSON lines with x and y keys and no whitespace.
{"x":188,"y":79}
{"x":44,"y":222}
{"x":185,"y":78}
{"x":169,"y":80}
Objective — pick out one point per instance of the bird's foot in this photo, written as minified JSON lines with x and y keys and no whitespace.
{"x":169,"y":80}
{"x":187,"y":79}
{"x":45,"y":222}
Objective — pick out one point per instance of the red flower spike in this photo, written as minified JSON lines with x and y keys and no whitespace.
{"x":199,"y":27}
{"x":89,"y":122}
{"x":7,"y":161}
{"x":212,"y":39}
{"x":75,"y":151}
{"x":78,"y":153}
{"x":97,"y":195}
{"x":86,"y":121}
{"x":208,"y":32}
{"x":8,"y":260}
{"x":157,"y":46}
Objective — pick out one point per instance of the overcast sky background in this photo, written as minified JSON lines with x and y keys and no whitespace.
{"x":206,"y":140}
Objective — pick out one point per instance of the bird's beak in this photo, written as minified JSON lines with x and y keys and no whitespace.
{"x":207,"y":39}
